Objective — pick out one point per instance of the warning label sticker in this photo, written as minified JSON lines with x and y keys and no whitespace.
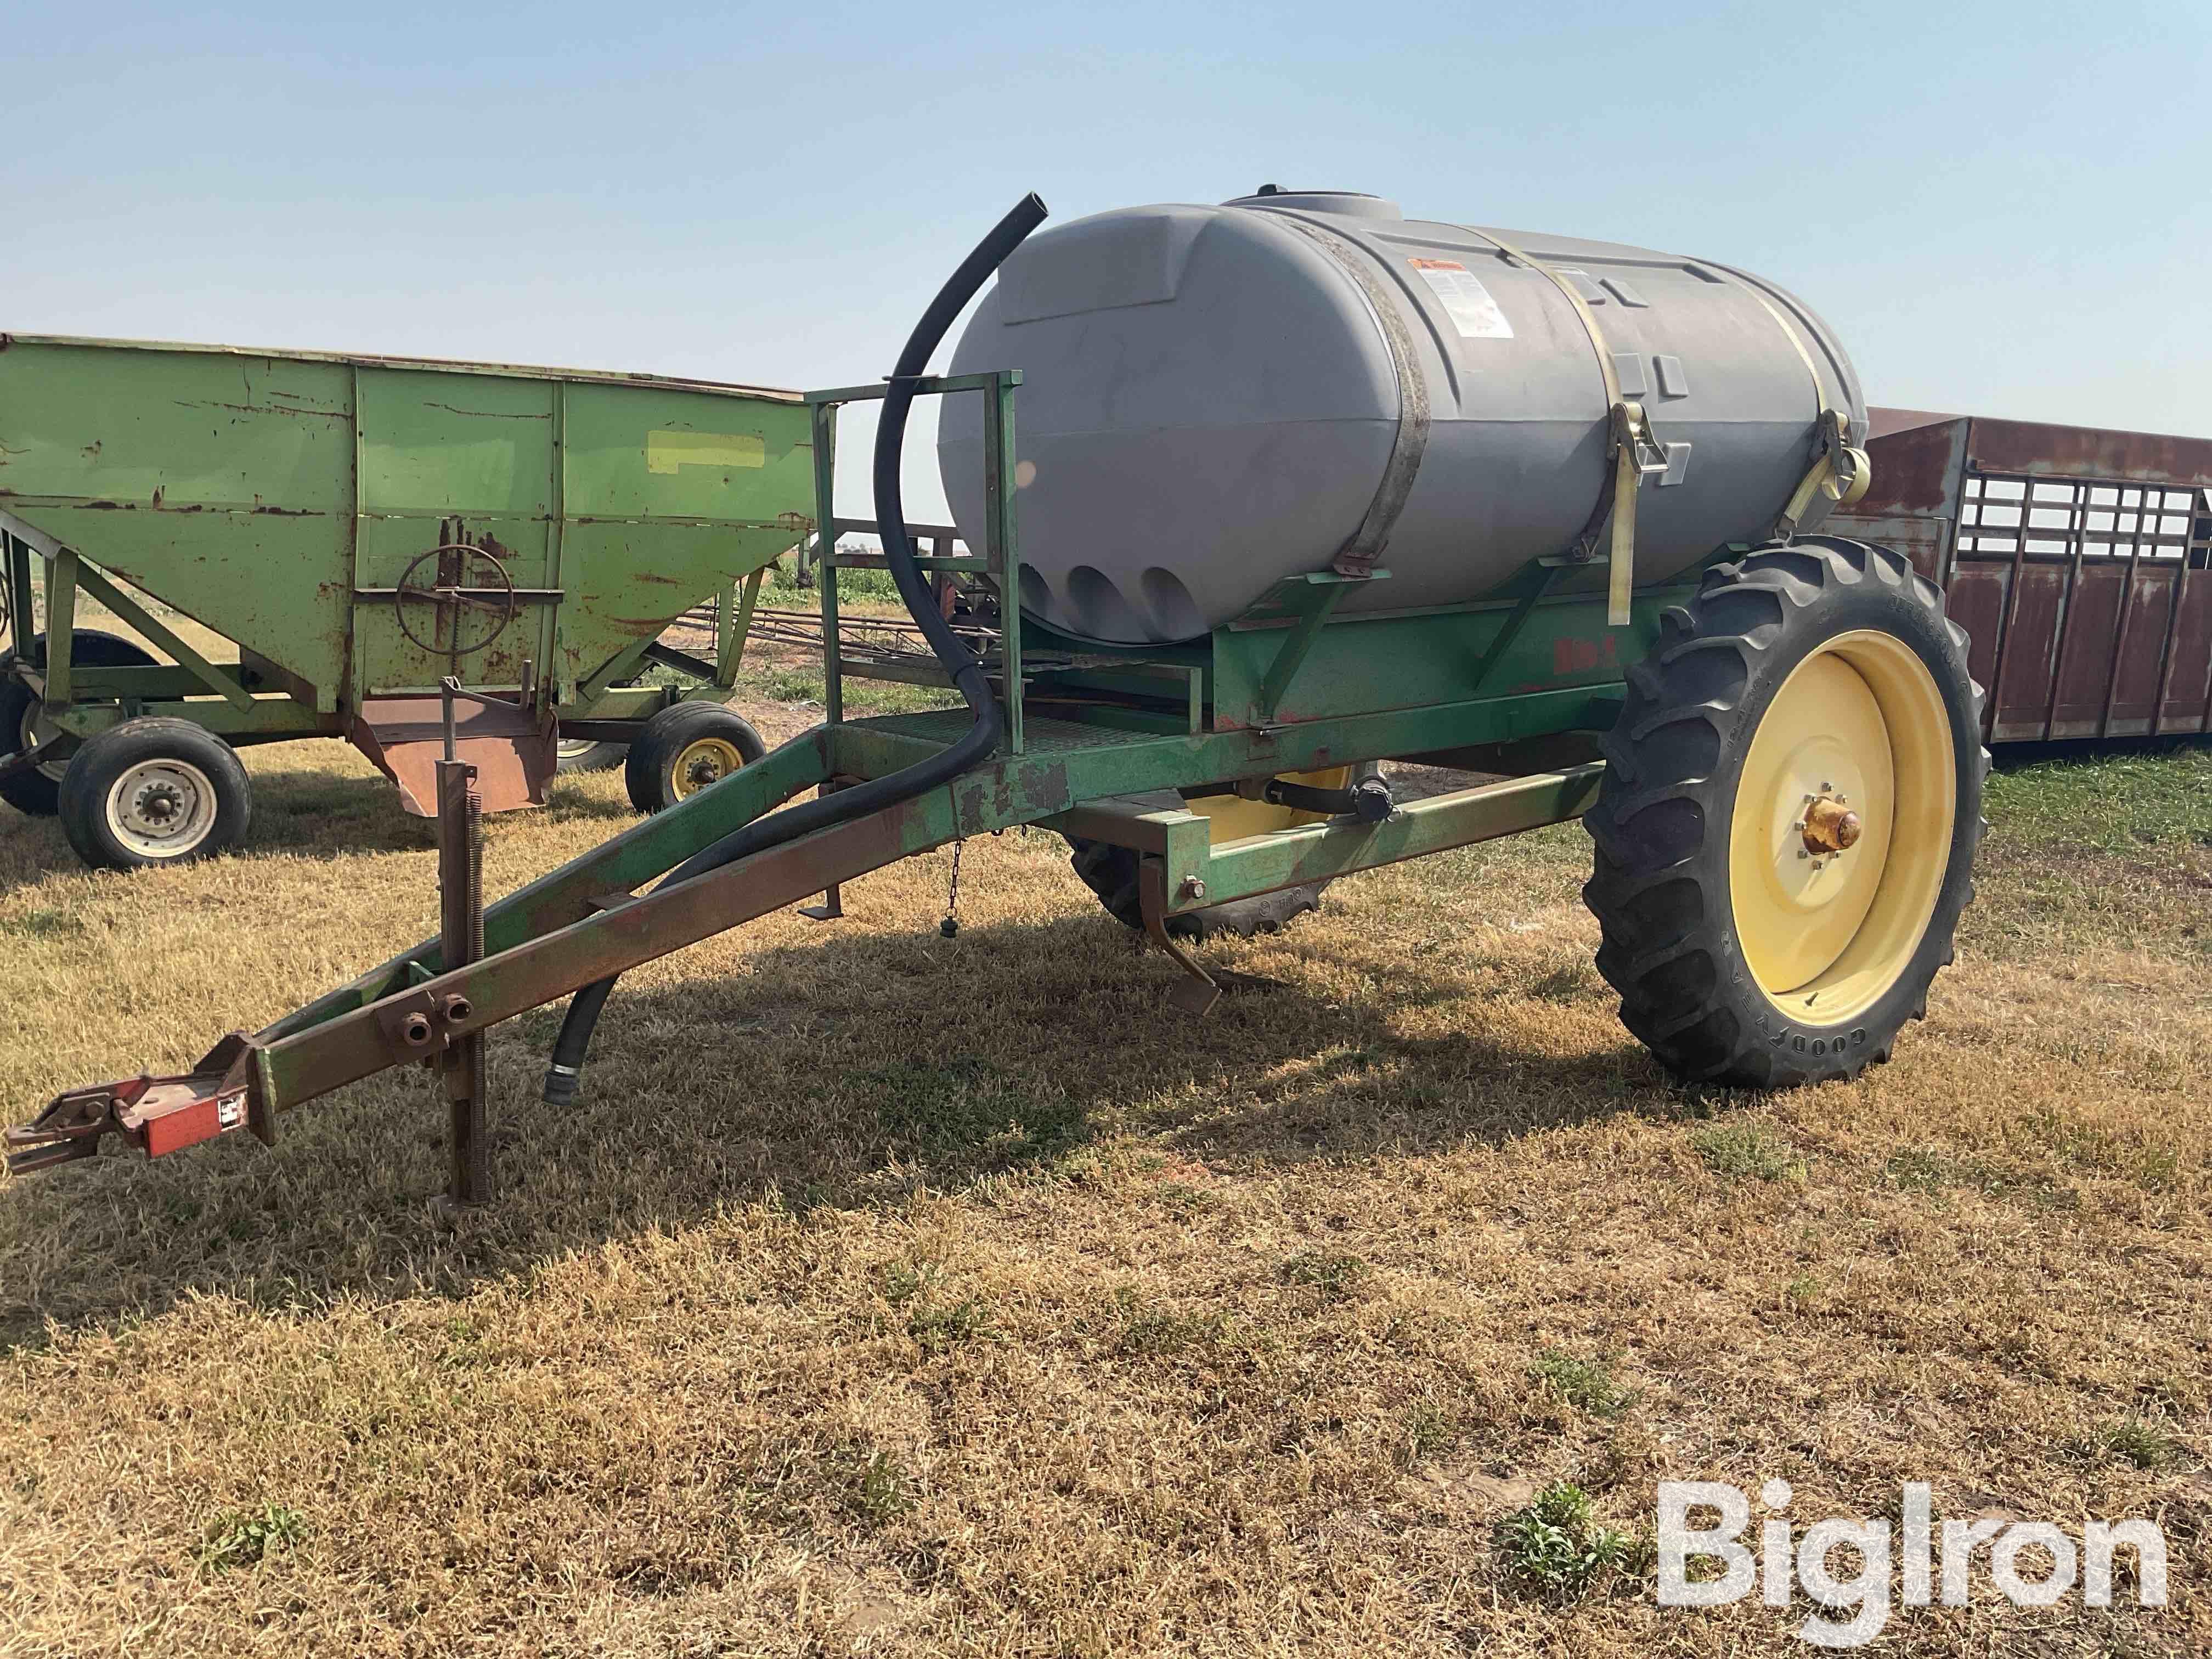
{"x":1466,"y":301}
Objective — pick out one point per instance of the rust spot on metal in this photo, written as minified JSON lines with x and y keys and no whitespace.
{"x":272,"y":409}
{"x":288,"y":511}
{"x":2075,"y":452}
{"x":490,"y":414}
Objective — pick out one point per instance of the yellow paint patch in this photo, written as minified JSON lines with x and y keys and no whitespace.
{"x":666,"y":451}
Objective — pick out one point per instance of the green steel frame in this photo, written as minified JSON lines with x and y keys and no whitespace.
{"x":1098,"y":743}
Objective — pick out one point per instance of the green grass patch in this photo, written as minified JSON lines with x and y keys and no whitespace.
{"x":967,"y":1113}
{"x":1333,"y":1274}
{"x":938,"y":1329}
{"x":1585,"y":1384}
{"x":773,"y":682}
{"x":871,"y":1487}
{"x":2120,"y":803}
{"x":2136,"y":1440}
{"x":1556,"y":1549}
{"x":244,"y":1538}
{"x":1746,"y":1152}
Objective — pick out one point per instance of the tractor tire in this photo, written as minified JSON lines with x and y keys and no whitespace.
{"x":1110,"y":872}
{"x":1786,"y":829}
{"x":155,"y":791}
{"x":684,"y":748}
{"x":36,"y":792}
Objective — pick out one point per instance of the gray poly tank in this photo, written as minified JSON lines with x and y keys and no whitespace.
{"x":1211,"y":398}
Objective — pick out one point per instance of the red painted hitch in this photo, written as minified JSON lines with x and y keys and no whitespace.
{"x":156,"y":1115}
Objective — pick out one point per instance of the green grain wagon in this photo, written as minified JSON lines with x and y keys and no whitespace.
{"x":363,"y":529}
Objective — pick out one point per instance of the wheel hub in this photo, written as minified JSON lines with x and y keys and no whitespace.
{"x":1830,"y":827}
{"x":159,"y":805}
{"x":162,"y":808}
{"x":707,"y":761}
{"x":1842,"y":825}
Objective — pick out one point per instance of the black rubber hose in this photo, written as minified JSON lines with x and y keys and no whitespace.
{"x":981,"y":739}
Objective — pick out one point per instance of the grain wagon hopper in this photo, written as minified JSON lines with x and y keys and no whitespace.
{"x":1304,"y":486}
{"x":363,"y":529}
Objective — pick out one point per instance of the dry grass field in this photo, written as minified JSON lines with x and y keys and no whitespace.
{"x":893,"y":1294}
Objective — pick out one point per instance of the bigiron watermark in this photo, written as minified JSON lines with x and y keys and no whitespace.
{"x":1934,"y":1563}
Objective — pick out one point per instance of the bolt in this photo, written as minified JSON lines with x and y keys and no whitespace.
{"x":1193,"y":889}
{"x":417,"y":1029}
{"x":457,"y":1007}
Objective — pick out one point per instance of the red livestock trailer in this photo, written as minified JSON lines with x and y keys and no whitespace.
{"x":2080,"y":561}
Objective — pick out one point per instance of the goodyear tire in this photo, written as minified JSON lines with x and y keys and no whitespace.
{"x":36,"y":791}
{"x":684,"y":748}
{"x":1786,"y":829}
{"x":154,"y":792}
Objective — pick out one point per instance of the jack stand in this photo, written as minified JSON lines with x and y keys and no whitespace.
{"x":832,"y":907}
{"x":1196,"y":993}
{"x":461,"y":941}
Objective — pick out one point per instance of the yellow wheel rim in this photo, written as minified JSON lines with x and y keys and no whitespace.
{"x":1859,"y":727}
{"x":708,"y":760}
{"x":1232,"y":817}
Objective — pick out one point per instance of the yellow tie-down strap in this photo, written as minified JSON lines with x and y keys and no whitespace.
{"x":1636,"y":453}
{"x":1839,"y":472}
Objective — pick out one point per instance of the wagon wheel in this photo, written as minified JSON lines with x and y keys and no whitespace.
{"x":1786,"y":828}
{"x":466,"y":583}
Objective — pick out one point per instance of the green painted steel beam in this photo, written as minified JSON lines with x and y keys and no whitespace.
{"x":618,"y":867}
{"x":209,"y":677}
{"x":1070,"y":762}
{"x":261,"y":720}
{"x":1320,"y":852}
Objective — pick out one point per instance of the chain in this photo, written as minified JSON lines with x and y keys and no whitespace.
{"x":951,"y":925}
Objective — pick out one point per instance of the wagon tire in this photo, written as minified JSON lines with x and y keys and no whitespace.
{"x":683,"y":749}
{"x":588,"y":754}
{"x":1110,"y":872}
{"x":154,"y":792}
{"x":36,"y":792}
{"x":1756,"y":937}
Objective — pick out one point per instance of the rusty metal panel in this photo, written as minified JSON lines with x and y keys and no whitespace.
{"x":2133,"y":701}
{"x":514,"y":755}
{"x":1911,"y":505}
{"x":2084,"y":633}
{"x":2081,"y":451}
{"x":2187,"y":705}
{"x":1976,"y":601}
{"x":2035,"y":603}
{"x":1915,"y":469}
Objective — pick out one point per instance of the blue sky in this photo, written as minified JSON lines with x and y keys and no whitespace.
{"x":2001,"y":208}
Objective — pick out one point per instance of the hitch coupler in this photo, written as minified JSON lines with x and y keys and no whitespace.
{"x":156,"y":1115}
